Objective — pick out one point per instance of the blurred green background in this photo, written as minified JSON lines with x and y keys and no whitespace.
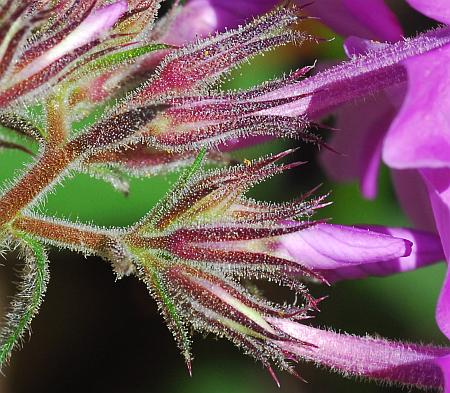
{"x":95,"y":334}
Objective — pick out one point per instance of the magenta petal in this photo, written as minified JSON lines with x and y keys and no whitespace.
{"x":208,"y":16}
{"x":371,"y":157}
{"x":443,"y":307}
{"x":328,"y":246}
{"x":362,"y":128}
{"x":444,"y":364}
{"x":370,"y":19}
{"x":343,"y":167}
{"x":412,"y":192}
{"x":436,"y":9}
{"x":410,"y":364}
{"x":426,"y":250}
{"x":199,"y":18}
{"x":341,"y":252}
{"x":231,"y":15}
{"x":195,"y":20}
{"x":438,"y":183}
{"x":420,"y":134}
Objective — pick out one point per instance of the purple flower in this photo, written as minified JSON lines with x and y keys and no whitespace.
{"x":199,"y":18}
{"x":403,"y":119}
{"x":383,"y":72}
{"x":434,"y":9}
{"x":342,"y":252}
{"x":196,"y":245}
{"x":371,"y":19}
{"x":409,"y":128}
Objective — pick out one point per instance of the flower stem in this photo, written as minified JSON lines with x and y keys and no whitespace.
{"x":44,"y":172}
{"x":108,"y":243}
{"x":62,"y":233}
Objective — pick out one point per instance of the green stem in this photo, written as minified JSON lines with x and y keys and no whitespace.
{"x":26,"y":304}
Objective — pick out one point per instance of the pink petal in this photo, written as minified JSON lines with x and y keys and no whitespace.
{"x":436,"y":9}
{"x":444,"y":364}
{"x":199,"y":18}
{"x":426,"y":250}
{"x":438,"y":183}
{"x":370,"y":19}
{"x":230,"y":14}
{"x":341,"y":252}
{"x":420,"y":134}
{"x":328,"y":246}
{"x":361,"y":129}
{"x":195,"y":20}
{"x":443,"y":307}
{"x":412,"y":192}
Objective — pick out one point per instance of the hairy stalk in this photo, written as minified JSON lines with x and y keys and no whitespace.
{"x":45,"y":171}
{"x":61,"y":233}
{"x":108,"y":243}
{"x":88,"y":239}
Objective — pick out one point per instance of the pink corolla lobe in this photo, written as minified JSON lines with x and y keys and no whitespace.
{"x":341,"y":252}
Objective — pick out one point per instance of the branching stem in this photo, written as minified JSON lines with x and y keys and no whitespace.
{"x":90,"y":239}
{"x":61,"y":233}
{"x":45,"y":171}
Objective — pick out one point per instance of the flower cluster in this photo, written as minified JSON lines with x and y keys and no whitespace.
{"x":144,"y":91}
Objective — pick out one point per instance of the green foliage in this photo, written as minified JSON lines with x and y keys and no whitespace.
{"x":25,"y":305}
